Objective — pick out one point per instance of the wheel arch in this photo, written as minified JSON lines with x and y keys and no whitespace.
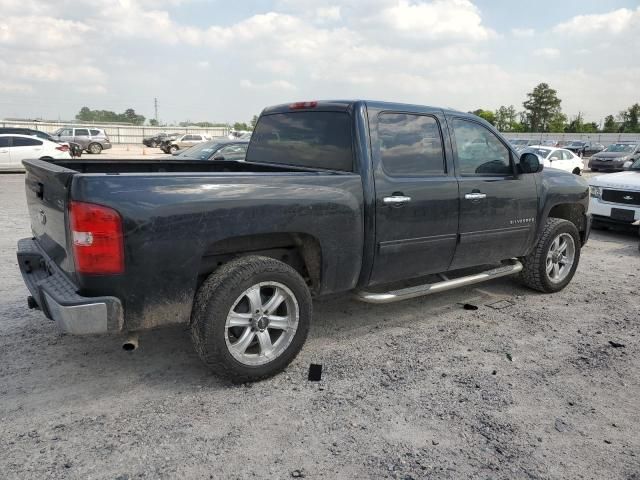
{"x":301,"y":251}
{"x":574,"y":213}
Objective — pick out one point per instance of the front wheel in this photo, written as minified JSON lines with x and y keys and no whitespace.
{"x":173,"y":149}
{"x":576,"y":171}
{"x":553,"y":262}
{"x":251,"y":318}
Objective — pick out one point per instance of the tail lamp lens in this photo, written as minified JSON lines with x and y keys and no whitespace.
{"x":96,"y":233}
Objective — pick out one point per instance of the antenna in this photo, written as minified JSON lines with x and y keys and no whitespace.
{"x":155,"y":106}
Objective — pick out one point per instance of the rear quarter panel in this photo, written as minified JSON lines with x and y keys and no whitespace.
{"x":171,"y":220}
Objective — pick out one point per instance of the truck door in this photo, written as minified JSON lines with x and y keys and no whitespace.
{"x":498,"y":207}
{"x":416,"y":194}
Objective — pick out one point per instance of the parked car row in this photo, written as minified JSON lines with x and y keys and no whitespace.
{"x":559,"y":158}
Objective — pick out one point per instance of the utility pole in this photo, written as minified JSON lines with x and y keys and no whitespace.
{"x":155,"y":105}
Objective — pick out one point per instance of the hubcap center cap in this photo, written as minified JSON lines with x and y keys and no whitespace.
{"x":555,"y":258}
{"x":260,"y":323}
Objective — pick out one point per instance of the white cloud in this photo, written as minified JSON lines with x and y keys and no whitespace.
{"x":275,"y":84}
{"x":328,"y":14}
{"x":523,"y":32}
{"x":547,"y":52}
{"x":41,"y":32}
{"x":439,"y":20}
{"x":615,"y":22}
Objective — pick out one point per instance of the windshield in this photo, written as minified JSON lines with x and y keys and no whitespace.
{"x":577,"y":144}
{"x":202,"y":151}
{"x":541,"y":152}
{"x":620,"y":148}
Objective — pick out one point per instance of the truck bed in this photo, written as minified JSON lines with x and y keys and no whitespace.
{"x":161,"y":165}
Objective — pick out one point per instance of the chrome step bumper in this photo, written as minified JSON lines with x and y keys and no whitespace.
{"x":412,"y":292}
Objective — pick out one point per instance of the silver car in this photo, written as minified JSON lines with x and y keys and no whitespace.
{"x":91,"y":139}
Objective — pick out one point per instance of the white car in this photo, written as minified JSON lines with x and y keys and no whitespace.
{"x":615,"y":198}
{"x":559,"y":158}
{"x":14,"y":148}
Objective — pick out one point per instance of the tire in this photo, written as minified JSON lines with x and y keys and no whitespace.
{"x":224,"y":293}
{"x":173,"y":148}
{"x":576,"y":171}
{"x":94,"y":148}
{"x":535,"y":273}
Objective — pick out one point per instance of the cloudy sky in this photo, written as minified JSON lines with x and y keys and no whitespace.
{"x":223,"y":61}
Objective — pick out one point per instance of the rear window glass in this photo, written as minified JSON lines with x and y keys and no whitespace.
{"x":95,"y":132}
{"x":305,"y":139}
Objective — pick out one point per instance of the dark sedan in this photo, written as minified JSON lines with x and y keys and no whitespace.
{"x":585,"y":149}
{"x":614,"y":156}
{"x":215,"y":150}
{"x":156,"y":140}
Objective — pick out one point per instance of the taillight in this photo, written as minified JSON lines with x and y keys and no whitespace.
{"x":96,"y":233}
{"x":303,"y":105}
{"x":63,"y":148}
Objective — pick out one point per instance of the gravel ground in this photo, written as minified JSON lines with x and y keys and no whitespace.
{"x":419,"y":389}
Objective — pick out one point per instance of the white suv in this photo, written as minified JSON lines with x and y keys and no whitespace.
{"x":615,"y":198}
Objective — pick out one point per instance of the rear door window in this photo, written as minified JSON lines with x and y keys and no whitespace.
{"x":26,"y":142}
{"x":82,"y":132}
{"x":4,"y":142}
{"x":306,"y":139}
{"x":410,"y":145}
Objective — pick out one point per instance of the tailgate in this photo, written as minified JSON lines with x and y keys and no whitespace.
{"x":46,"y":186}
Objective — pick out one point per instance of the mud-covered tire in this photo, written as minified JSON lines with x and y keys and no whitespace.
{"x":534,"y":274}
{"x":215,"y":300}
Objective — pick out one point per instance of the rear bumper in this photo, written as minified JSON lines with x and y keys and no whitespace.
{"x":57,"y":296}
{"x":106,"y":145}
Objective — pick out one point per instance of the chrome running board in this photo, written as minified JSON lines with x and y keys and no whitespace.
{"x":412,"y":292}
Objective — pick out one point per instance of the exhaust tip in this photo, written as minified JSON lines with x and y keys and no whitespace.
{"x":131,"y":343}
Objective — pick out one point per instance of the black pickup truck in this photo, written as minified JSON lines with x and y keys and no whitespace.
{"x":334,"y":196}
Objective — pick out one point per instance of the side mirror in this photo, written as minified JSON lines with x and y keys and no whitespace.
{"x":530,"y":163}
{"x":218,"y":157}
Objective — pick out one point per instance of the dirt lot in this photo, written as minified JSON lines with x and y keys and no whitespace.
{"x":420,"y":389}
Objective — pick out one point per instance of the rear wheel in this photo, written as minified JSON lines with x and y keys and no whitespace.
{"x":576,"y":171}
{"x":94,"y":148}
{"x":251,"y":318}
{"x":553,"y":262}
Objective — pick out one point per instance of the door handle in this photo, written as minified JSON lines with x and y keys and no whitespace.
{"x":475,"y":196}
{"x":396,"y":200}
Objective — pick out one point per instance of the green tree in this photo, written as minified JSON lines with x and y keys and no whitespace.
{"x":506,"y":118}
{"x":610,"y":124}
{"x":487,"y":115}
{"x":558,"y":122}
{"x":153,"y":122}
{"x":629,"y":119}
{"x":241,"y":126}
{"x":254,"y":120}
{"x":542,"y":104}
{"x":576,"y":125}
